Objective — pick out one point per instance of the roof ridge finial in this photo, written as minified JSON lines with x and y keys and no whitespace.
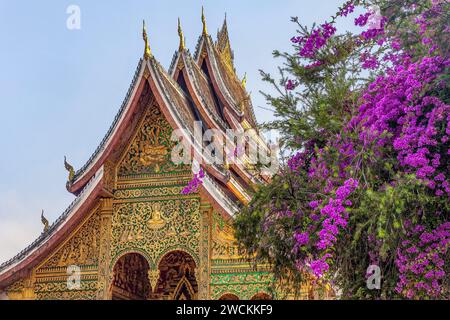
{"x":180,"y":34}
{"x":205,"y":32}
{"x":44,"y":222}
{"x":70,"y":169}
{"x":147,"y":52}
{"x":224,"y":28}
{"x":244,"y":80}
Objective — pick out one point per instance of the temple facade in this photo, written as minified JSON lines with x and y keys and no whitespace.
{"x":131,"y":233}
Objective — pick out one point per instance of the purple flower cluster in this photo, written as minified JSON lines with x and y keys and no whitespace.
{"x":335,"y":215}
{"x":296,"y":161}
{"x":369,"y":61}
{"x":372,"y":33}
{"x":320,"y":266}
{"x":421,"y":262}
{"x":290,"y":85}
{"x":394,"y":103}
{"x":376,"y":25}
{"x":348,"y":8}
{"x":302,"y":238}
{"x":194,"y":183}
{"x":309,"y":45}
{"x":361,"y":21}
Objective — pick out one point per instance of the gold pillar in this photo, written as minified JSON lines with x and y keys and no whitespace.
{"x":205,"y":252}
{"x":104,"y":276}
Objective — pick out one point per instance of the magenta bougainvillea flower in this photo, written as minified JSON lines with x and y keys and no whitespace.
{"x":194,"y":183}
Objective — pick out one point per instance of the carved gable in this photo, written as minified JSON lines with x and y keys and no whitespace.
{"x":149,"y":151}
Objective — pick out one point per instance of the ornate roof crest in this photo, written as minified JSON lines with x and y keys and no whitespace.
{"x":205,"y":32}
{"x":147,"y":52}
{"x":180,"y":34}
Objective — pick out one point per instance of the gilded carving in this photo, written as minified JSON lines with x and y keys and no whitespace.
{"x":204,"y":268}
{"x":224,"y":245}
{"x":15,"y":290}
{"x":153,"y":276}
{"x":109,"y":176}
{"x":149,"y":150}
{"x":156,"y":222}
{"x":148,"y":192}
{"x":156,"y":226}
{"x":104,"y":276}
{"x":57,"y":290}
{"x":81,"y":248}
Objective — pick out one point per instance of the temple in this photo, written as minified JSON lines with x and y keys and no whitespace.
{"x":131,"y":233}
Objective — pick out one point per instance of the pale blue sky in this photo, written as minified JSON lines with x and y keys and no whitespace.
{"x":60,"y":89}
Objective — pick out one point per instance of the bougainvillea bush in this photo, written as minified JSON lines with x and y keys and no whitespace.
{"x":366,"y":116}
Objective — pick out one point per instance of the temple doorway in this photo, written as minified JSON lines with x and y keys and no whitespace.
{"x":130,"y":278}
{"x":176,"y":277}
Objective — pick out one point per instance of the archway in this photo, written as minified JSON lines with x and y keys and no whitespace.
{"x":176,"y":277}
{"x":229,"y":296}
{"x":130,"y":278}
{"x":261,"y":296}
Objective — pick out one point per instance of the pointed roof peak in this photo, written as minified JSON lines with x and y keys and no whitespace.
{"x":224,"y":25}
{"x":204,"y":32}
{"x":223,"y":43}
{"x":180,"y":34}
{"x":222,"y":33}
{"x":147,"y":51}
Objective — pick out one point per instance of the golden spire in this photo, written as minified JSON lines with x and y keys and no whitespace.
{"x":147,"y":52}
{"x":204,"y":23}
{"x":244,"y":80}
{"x":180,"y":34}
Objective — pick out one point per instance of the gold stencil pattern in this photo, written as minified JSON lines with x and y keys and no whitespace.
{"x":59,"y":291}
